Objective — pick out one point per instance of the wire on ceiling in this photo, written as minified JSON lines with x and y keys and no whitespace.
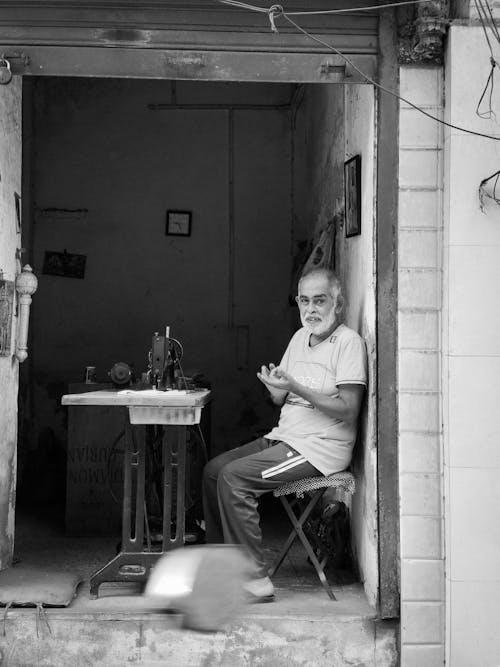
{"x":263,"y":10}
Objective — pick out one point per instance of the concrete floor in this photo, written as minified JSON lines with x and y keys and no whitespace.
{"x":301,"y":627}
{"x":41,"y":542}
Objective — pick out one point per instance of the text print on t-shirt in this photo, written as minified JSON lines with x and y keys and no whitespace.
{"x":313,"y":376}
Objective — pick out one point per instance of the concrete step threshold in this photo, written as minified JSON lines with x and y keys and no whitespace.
{"x":302,"y":627}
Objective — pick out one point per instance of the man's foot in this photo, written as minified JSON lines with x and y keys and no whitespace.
{"x":259,"y":590}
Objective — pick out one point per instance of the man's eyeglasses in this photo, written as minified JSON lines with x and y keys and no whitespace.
{"x":304,"y":301}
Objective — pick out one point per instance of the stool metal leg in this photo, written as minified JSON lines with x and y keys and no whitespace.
{"x":297,"y":531}
{"x":293,"y":535}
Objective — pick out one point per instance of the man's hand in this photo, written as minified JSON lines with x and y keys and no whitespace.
{"x":345,"y":405}
{"x":276,"y":380}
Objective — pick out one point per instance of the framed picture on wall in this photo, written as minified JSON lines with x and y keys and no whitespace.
{"x":352,"y":196}
{"x":66,"y":264}
{"x":178,"y":223}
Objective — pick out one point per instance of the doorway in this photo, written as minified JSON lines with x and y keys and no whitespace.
{"x":259,"y":169}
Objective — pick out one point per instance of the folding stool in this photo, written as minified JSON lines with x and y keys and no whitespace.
{"x":315,"y":487}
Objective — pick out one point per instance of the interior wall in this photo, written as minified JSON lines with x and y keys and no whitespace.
{"x":357,"y":269}
{"x":334,"y":123}
{"x":318,"y":160}
{"x":10,"y":237}
{"x":106,"y":168}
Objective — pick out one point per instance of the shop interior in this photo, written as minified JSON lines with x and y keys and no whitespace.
{"x":189,"y":205}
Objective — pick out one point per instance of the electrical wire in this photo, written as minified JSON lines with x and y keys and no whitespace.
{"x":277,"y":10}
{"x":481,"y":12}
{"x":263,"y":10}
{"x":484,"y":4}
{"x":488,"y":114}
{"x":487,"y":21}
{"x":200,"y":432}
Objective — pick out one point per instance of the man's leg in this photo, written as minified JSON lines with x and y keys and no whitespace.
{"x":213,"y":526}
{"x":240,"y":484}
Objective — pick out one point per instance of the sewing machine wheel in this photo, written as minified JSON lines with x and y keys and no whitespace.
{"x":120,"y":374}
{"x":178,"y":350}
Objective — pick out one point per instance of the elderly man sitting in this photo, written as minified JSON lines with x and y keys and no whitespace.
{"x":319,"y":384}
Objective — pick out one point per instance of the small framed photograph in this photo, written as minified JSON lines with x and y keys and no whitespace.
{"x":66,"y":264}
{"x":352,"y":196}
{"x":178,"y":223}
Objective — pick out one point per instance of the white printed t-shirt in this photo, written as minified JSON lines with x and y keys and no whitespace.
{"x":326,"y":442}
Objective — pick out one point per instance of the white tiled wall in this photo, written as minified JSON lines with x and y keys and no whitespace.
{"x":471,"y":360}
{"x":419,"y":373}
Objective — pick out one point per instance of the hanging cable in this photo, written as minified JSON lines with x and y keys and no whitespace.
{"x":383,"y":88}
{"x":484,"y":19}
{"x":200,"y":432}
{"x":490,"y":18}
{"x":488,"y":113}
{"x":387,"y":90}
{"x":263,"y":10}
{"x":277,"y":10}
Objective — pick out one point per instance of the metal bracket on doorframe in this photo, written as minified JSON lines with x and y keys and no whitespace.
{"x":16,"y":56}
{"x":327,"y":67}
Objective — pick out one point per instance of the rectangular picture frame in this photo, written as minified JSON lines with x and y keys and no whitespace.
{"x":352,"y":196}
{"x":178,"y":223}
{"x":64,"y":264}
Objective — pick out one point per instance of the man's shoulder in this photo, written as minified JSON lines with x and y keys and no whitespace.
{"x":299,"y":335}
{"x":344,"y":334}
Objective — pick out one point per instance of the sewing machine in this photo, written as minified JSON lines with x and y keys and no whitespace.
{"x":164,"y":359}
{"x":162,"y":462}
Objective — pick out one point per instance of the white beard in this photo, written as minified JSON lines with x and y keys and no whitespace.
{"x":327,"y":323}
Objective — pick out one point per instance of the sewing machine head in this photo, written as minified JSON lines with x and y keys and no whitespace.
{"x":164,"y":359}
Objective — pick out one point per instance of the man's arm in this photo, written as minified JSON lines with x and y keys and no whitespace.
{"x":345,"y":406}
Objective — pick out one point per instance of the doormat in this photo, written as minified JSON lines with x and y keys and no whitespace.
{"x":25,"y":586}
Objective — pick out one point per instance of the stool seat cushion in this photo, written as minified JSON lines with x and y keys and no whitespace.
{"x":340,"y":480}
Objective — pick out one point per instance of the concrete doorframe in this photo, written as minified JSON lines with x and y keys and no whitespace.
{"x":386,"y":244}
{"x":387,"y":240}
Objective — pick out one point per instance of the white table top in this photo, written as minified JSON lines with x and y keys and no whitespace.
{"x":138,"y":397}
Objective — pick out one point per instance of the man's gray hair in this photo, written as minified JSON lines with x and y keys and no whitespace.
{"x":333,"y":281}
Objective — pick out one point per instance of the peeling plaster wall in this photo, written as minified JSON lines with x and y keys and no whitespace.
{"x":223,"y":291}
{"x":334,"y":123}
{"x":10,"y":182}
{"x":357,"y":271}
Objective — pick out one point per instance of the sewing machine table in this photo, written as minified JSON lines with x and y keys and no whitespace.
{"x":175,"y":410}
